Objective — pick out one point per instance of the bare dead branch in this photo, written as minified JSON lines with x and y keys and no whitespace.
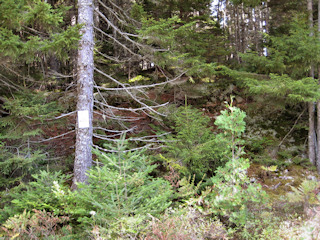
{"x":121,"y":10}
{"x":112,"y":116}
{"x":115,"y":131}
{"x":110,"y":111}
{"x":60,"y":75}
{"x":111,"y":139}
{"x":19,"y":75}
{"x":123,"y":34}
{"x":52,"y":138}
{"x":141,"y":86}
{"x":134,"y":110}
{"x":112,"y":58}
{"x":64,"y":115}
{"x":107,"y":137}
{"x":145,"y":106}
{"x":295,"y":123}
{"x":117,"y":41}
{"x":114,"y":13}
{"x":9,"y":83}
{"x":148,"y":146}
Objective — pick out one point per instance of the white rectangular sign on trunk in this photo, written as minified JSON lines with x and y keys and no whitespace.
{"x":83,"y":119}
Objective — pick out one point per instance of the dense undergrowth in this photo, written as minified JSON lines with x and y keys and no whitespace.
{"x":208,"y":191}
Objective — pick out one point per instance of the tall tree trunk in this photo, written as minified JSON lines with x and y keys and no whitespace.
{"x":243,"y":31}
{"x":311,"y":107}
{"x":311,"y":134}
{"x":257,"y":32}
{"x":83,"y":155}
{"x":237,"y":33}
{"x":318,"y":105}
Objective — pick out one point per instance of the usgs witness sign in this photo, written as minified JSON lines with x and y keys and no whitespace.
{"x":83,"y":119}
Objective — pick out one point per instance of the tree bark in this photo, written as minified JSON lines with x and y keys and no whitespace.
{"x":311,"y":106}
{"x":85,"y":66}
{"x":311,"y":133}
{"x":317,"y":153}
{"x":318,"y":106}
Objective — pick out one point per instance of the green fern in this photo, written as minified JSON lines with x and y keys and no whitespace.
{"x":304,"y":194}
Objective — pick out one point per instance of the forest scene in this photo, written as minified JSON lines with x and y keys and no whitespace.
{"x":160,"y":119}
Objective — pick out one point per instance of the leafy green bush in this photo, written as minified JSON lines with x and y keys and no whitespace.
{"x":232,"y":192}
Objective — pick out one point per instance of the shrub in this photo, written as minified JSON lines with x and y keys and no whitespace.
{"x":231,"y":192}
{"x":40,"y":225}
{"x":120,"y":194}
{"x":304,"y":194}
{"x":195,"y":149}
{"x":38,"y":194}
{"x":20,"y":154}
{"x":187,"y":223}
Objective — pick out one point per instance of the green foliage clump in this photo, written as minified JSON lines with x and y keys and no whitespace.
{"x":38,"y":194}
{"x":118,"y":199}
{"x":248,"y":3}
{"x":186,"y":223}
{"x":32,"y":29}
{"x":138,"y":79}
{"x":263,"y":64}
{"x":286,"y":88}
{"x":304,"y":194}
{"x":195,"y":148}
{"x":40,"y":225}
{"x":232,"y":193}
{"x":185,"y":45}
{"x":120,"y":194}
{"x":290,"y":57}
{"x":20,"y":153}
